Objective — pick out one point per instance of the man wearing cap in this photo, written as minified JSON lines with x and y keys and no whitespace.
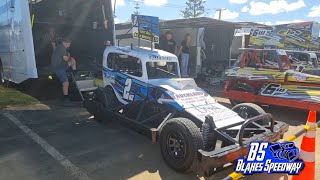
{"x":61,"y":62}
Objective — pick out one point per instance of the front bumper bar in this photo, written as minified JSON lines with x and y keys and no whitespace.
{"x":221,"y":156}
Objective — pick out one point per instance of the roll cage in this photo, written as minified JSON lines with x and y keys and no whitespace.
{"x":261,"y":59}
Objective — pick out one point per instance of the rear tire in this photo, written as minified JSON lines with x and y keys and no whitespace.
{"x":180,"y":140}
{"x":243,"y":88}
{"x":249,"y":110}
{"x":102,"y":101}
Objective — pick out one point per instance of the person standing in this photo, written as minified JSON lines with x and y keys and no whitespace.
{"x":61,"y":62}
{"x":185,"y":54}
{"x":168,"y":43}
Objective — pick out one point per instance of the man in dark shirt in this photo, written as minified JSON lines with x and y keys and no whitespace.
{"x":168,"y":43}
{"x":61,"y":61}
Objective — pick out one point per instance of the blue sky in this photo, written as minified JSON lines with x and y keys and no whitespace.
{"x":262,"y":11}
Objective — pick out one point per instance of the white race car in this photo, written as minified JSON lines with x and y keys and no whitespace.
{"x":143,"y":88}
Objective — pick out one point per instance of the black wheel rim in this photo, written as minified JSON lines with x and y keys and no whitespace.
{"x":246,"y":113}
{"x":176,"y":146}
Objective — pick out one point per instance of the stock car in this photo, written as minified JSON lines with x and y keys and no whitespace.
{"x":304,"y":61}
{"x":143,"y":89}
{"x":271,"y":80}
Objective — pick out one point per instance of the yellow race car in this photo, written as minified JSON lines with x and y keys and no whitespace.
{"x":268,"y":77}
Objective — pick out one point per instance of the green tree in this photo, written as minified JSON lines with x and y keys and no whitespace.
{"x":194,"y":8}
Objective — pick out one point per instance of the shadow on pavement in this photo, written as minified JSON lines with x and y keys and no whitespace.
{"x":103,"y":151}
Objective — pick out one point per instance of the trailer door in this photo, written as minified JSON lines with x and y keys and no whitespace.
{"x":22,"y":58}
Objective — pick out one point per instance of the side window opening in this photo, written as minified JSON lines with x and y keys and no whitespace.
{"x":125,"y":64}
{"x":255,"y":59}
{"x":252,"y":61}
{"x":304,"y":58}
{"x":162,"y":69}
{"x":271,"y":58}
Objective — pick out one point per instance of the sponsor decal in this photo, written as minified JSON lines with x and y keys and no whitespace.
{"x":146,"y":28}
{"x":270,"y":158}
{"x":273,"y":89}
{"x":299,"y":77}
{"x":186,"y":95}
{"x":157,"y":57}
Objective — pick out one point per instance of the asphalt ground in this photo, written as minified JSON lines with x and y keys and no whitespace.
{"x":53,"y":142}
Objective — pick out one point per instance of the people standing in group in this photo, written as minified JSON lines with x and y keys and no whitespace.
{"x":184,"y":53}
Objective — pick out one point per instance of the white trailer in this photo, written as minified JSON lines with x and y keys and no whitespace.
{"x":17,"y":59}
{"x":24,"y":22}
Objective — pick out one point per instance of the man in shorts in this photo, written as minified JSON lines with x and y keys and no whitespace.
{"x":62,"y":62}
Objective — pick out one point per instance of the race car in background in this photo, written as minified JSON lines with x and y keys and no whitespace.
{"x":304,"y":61}
{"x":143,"y":89}
{"x":271,"y":80}
{"x":318,"y":55}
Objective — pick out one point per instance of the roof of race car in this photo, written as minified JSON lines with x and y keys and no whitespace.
{"x":143,"y":53}
{"x":253,"y":49}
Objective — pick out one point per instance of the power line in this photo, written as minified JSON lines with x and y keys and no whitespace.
{"x":165,"y":5}
{"x":220,"y":12}
{"x":168,"y":5}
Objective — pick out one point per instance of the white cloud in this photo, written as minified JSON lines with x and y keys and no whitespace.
{"x":238,"y":1}
{"x":227,"y":15}
{"x":315,"y":11}
{"x":275,"y":7}
{"x":117,"y":21}
{"x":245,"y":9}
{"x":157,"y":3}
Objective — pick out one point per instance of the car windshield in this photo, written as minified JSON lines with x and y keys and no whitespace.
{"x":162,"y":69}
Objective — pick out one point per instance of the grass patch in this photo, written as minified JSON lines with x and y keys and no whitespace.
{"x":11,"y":97}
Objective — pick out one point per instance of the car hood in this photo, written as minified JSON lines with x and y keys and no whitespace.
{"x":187,"y":96}
{"x":293,"y":76}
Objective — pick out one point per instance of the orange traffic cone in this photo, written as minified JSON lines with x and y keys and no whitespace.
{"x":307,"y":150}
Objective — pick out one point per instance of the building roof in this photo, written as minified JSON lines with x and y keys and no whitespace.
{"x":199,"y":22}
{"x":251,"y":24}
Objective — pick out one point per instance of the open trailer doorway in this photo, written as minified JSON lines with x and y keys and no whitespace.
{"x":27,"y":28}
{"x":89,"y":24}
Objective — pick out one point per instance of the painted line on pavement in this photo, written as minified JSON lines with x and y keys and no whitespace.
{"x":68,"y":165}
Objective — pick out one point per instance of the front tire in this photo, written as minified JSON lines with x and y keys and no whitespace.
{"x":180,"y":140}
{"x":249,"y":110}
